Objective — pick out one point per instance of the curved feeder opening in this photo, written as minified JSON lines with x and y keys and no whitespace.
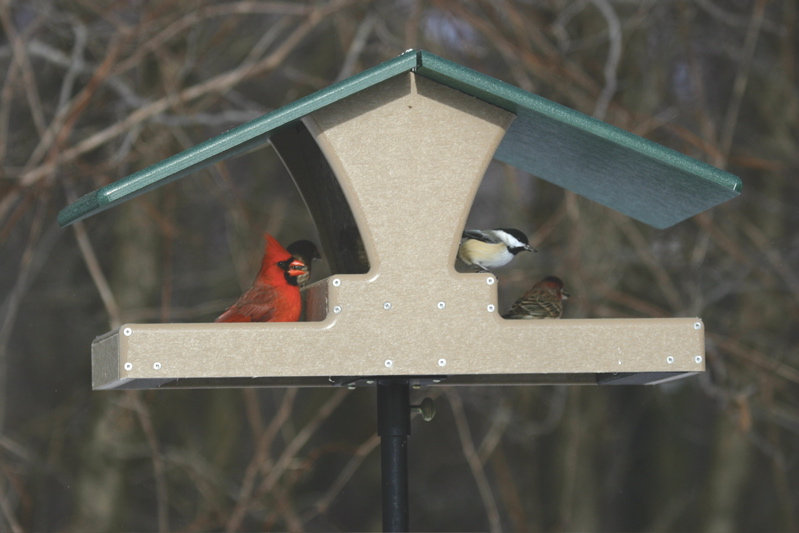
{"x":341,"y":243}
{"x":511,"y":198}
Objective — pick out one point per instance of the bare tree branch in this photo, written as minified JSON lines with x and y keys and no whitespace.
{"x":472,"y":458}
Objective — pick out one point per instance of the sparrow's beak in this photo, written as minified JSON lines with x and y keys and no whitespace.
{"x":564,"y":295}
{"x":296,"y":268}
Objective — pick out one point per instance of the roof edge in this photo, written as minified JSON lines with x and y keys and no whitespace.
{"x":231,"y":142}
{"x":513,"y":99}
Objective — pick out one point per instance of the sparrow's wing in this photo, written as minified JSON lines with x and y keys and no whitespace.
{"x":526,"y":309}
{"x":535,"y":305}
{"x":545,"y":308}
{"x":480,"y":235}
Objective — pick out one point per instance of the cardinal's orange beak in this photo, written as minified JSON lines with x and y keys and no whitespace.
{"x":297,"y":268}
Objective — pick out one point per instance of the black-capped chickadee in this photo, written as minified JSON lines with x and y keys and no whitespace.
{"x":492,"y":248}
{"x":543,"y":300}
{"x":306,"y":252}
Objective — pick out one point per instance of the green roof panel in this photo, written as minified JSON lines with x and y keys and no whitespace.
{"x":611,"y":166}
{"x":228,"y":144}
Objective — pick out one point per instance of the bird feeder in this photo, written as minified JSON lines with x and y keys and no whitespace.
{"x":396,"y":151}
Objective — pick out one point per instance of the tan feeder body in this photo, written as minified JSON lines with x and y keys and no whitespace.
{"x":399,"y":151}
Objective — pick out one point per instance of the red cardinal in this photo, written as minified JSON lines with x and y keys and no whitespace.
{"x":274,"y":295}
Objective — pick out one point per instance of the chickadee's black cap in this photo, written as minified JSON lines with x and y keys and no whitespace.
{"x":520,"y":236}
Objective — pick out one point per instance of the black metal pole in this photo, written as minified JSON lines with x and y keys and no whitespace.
{"x":394,"y":427}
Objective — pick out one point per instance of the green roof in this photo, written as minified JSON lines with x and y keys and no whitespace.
{"x":611,"y":166}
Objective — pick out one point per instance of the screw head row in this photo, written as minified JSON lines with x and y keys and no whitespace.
{"x":387,"y":306}
{"x":129,"y":366}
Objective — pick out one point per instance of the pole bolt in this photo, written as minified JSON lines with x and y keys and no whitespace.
{"x":427,"y":409}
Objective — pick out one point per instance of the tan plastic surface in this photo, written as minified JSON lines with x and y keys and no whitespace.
{"x":409,"y":155}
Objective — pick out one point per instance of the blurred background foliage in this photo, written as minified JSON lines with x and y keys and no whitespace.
{"x":92,"y":91}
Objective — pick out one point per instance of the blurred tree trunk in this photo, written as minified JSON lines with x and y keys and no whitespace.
{"x":728,"y":478}
{"x":579,"y":498}
{"x":101,"y":485}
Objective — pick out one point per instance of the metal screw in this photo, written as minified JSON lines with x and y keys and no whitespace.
{"x":490,"y":308}
{"x":697,"y":325}
{"x":389,"y":363}
{"x":442,"y":362}
{"x":337,"y":309}
{"x":670,"y":360}
{"x":370,"y":382}
{"x":127,"y":332}
{"x":336,"y":282}
{"x":436,"y":381}
{"x":128,"y":366}
{"x":491,"y":280}
{"x":698,"y":359}
{"x":157,"y":366}
{"x":387,"y":306}
{"x":441,"y":305}
{"x":351,"y":387}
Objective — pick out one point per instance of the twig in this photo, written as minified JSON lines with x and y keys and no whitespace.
{"x":28,"y":78}
{"x":9,"y":86}
{"x":612,"y":61}
{"x":665,"y":282}
{"x":499,"y":423}
{"x":774,"y":257}
{"x":8,"y":513}
{"x":741,"y":78}
{"x":162,"y":495}
{"x":357,"y":45}
{"x":756,"y":357}
{"x":68,"y":112}
{"x":473,"y":460}
{"x":211,"y":11}
{"x":632,"y":302}
{"x":76,"y":63}
{"x":96,"y":272}
{"x":411,"y":37}
{"x":260,"y":458}
{"x":217,"y":84}
{"x":252,"y":410}
{"x":323,"y":503}
{"x":276,"y":470}
{"x":509,"y":492}
{"x":29,"y":265}
{"x":300,"y":439}
{"x":289,"y":514}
